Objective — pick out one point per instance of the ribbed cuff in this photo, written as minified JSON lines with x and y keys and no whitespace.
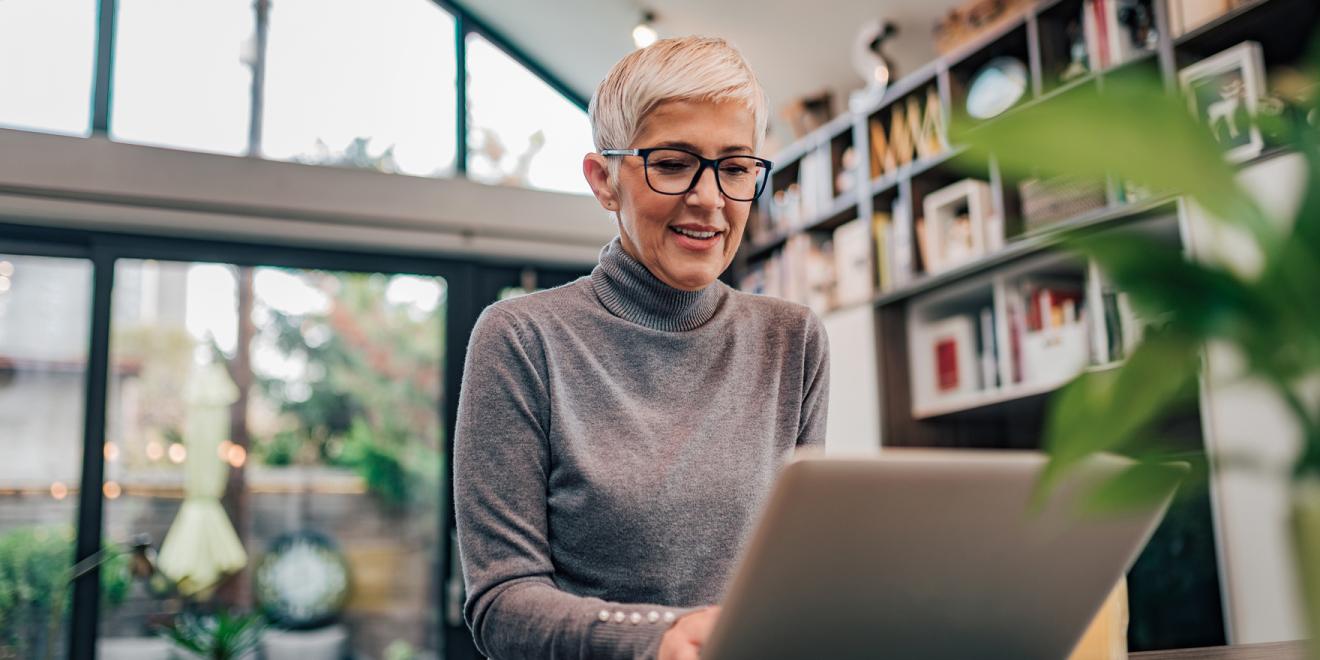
{"x":631,"y":631}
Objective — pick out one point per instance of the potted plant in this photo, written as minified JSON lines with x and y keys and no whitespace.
{"x":222,"y":636}
{"x":1269,"y":315}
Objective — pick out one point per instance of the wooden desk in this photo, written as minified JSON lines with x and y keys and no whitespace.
{"x":1273,"y":651}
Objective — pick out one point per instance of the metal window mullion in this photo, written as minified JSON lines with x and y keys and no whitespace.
{"x":256,"y":109}
{"x":87,"y":588}
{"x":102,"y":85}
{"x":460,"y":97}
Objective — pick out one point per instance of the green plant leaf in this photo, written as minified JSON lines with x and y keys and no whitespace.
{"x":1108,"y":411}
{"x":1198,"y":300}
{"x":1137,"y":487}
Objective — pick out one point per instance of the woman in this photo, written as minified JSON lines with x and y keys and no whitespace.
{"x":616,"y":435}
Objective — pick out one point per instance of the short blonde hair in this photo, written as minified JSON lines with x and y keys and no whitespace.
{"x":681,"y":69}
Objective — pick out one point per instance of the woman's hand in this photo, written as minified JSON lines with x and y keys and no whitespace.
{"x":684,"y":639}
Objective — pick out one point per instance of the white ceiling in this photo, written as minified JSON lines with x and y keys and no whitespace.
{"x":796,"y":47}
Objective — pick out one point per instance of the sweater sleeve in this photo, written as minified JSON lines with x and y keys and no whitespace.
{"x":815,"y":385}
{"x":501,"y":469}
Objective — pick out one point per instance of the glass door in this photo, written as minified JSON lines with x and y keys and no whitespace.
{"x":277,"y":435}
{"x":45,"y":310}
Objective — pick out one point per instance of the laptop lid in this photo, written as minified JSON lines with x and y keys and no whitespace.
{"x":926,"y":554}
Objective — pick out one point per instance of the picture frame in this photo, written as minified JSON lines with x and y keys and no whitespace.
{"x":955,"y":369}
{"x":1223,"y":92}
{"x":957,"y":224}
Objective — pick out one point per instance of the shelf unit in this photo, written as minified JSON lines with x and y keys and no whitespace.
{"x":913,"y":303}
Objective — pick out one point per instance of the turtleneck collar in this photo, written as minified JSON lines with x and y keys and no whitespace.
{"x":629,"y":291}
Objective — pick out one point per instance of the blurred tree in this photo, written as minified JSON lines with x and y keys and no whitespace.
{"x":369,"y":394}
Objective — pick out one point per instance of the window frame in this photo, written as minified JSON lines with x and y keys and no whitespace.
{"x":472,"y":284}
{"x":465,"y":23}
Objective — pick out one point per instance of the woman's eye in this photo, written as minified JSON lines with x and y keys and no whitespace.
{"x":671,"y":165}
{"x":734,"y":169}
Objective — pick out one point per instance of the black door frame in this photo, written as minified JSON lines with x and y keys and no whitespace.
{"x":473,"y":282}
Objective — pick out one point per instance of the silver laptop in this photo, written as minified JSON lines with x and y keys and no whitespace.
{"x":925,"y":554}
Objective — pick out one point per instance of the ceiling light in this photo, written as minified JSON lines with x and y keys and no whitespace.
{"x":644,"y":34}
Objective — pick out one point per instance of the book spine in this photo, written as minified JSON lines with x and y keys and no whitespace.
{"x":989,"y":376}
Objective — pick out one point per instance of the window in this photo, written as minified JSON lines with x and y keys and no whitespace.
{"x":508,"y":143}
{"x":302,"y":407}
{"x":361,"y":83}
{"x":46,"y":62}
{"x":44,"y":322}
{"x":183,"y":74}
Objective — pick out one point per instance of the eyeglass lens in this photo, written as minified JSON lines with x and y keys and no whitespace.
{"x":673,"y":172}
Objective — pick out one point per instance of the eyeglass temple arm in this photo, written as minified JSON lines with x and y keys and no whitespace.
{"x":620,"y":152}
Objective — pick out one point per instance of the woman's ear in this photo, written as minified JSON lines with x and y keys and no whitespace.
{"x":597,"y":172}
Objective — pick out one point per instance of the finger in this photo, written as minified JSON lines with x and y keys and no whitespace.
{"x":704,"y":624}
{"x":688,"y":652}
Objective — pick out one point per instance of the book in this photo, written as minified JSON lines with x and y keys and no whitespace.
{"x":1126,"y":42}
{"x":1102,"y":29}
{"x":808,"y":272}
{"x":901,"y":247}
{"x":1130,"y":328}
{"x":914,"y":125}
{"x":1187,"y":15}
{"x":879,"y":146}
{"x":882,"y":232}
{"x":928,"y":263}
{"x":1015,"y":306}
{"x":900,"y":136}
{"x":1054,"y":343}
{"x":932,"y":133}
{"x":753,"y":281}
{"x":1091,"y":26}
{"x":854,"y":272}
{"x":988,"y":358}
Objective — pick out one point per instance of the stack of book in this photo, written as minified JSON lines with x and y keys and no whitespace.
{"x":1048,"y":337}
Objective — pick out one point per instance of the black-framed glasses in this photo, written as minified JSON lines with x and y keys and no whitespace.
{"x":672,"y":171}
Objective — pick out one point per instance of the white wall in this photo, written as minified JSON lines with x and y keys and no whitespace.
{"x":853,"y":425}
{"x":99,"y":184}
{"x":1243,"y":418}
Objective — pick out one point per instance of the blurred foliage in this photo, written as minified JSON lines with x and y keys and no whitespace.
{"x":370,"y":395}
{"x":1133,"y":129}
{"x":36,"y":565}
{"x":220,"y":636}
{"x":165,"y":355}
{"x":357,"y":154}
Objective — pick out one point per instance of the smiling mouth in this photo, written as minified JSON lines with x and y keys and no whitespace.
{"x":699,"y":235}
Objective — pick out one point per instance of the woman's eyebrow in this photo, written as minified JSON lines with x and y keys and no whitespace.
{"x":679,"y":144}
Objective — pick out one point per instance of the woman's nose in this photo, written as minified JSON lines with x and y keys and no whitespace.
{"x":706,"y":193}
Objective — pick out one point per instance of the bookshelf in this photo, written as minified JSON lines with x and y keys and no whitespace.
{"x":969,"y":347}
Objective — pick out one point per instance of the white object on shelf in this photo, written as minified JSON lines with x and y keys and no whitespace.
{"x":1187,"y":15}
{"x":1055,"y":355}
{"x":852,"y":262}
{"x":902,"y":247}
{"x":326,"y":643}
{"x":943,"y":358}
{"x":956,"y":222}
{"x":133,"y":648}
{"x":854,"y":410}
{"x":988,"y":356}
{"x":1229,"y":84}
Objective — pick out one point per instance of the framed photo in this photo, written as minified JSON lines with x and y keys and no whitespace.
{"x":1223,"y":92}
{"x":957,"y":224}
{"x":953,"y":356}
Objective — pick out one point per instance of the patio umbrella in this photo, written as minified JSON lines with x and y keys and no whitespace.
{"x":201,"y":547}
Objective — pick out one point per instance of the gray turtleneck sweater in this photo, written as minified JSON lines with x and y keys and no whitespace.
{"x":615,"y":440}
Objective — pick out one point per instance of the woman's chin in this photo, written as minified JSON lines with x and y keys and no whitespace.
{"x":691,"y":276}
